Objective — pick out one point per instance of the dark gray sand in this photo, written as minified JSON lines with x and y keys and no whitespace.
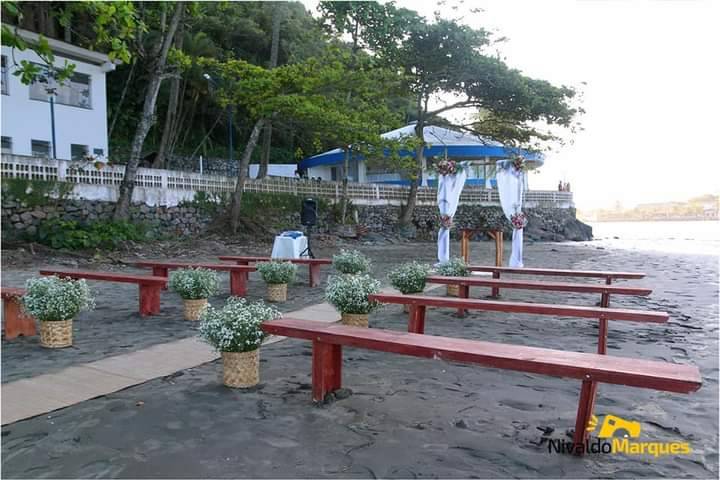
{"x":406,"y":417}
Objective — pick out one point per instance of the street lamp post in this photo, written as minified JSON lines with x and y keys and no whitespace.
{"x":212,"y":82}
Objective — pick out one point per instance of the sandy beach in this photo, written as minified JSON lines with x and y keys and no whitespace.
{"x":400,"y":417}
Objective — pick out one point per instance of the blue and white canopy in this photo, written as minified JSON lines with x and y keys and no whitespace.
{"x":440,"y":142}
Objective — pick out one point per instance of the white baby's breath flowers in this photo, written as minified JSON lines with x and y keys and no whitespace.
{"x":194,"y":283}
{"x":55,"y":299}
{"x":349,"y":293}
{"x":237,"y":326}
{"x":351,"y":261}
{"x":455,"y":267}
{"x":409,"y":277}
{"x":277,"y":272}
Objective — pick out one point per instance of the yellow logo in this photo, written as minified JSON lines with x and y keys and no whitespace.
{"x":612,"y":425}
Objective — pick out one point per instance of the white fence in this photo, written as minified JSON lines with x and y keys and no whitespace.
{"x":168,"y":187}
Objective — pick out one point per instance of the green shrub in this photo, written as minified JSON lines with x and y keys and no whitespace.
{"x":349,"y":293}
{"x":351,"y":261}
{"x":277,"y":272}
{"x":33,"y":192}
{"x":56,"y":299}
{"x":455,"y":267}
{"x":237,"y":326}
{"x":74,"y":235}
{"x":409,"y":277}
{"x":194,"y":283}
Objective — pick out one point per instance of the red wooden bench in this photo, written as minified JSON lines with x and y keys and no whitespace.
{"x":238,"y":273}
{"x":312,"y":263}
{"x":590,"y":368}
{"x":465,"y":283}
{"x":149,"y":286}
{"x":17,"y":322}
{"x":607,"y":275}
{"x":419,"y":303}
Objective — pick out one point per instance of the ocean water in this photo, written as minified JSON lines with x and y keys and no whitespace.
{"x":692,"y":237}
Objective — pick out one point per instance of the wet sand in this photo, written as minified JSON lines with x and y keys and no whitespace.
{"x":406,"y":417}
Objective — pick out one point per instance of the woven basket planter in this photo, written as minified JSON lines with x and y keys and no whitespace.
{"x":194,"y":308}
{"x":241,"y":369}
{"x":354,"y":319}
{"x":276,"y":292}
{"x":56,"y":334}
{"x":453,"y":290}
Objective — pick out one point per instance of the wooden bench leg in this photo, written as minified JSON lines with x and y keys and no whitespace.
{"x":314,"y":274}
{"x":602,"y":335}
{"x":149,"y":299}
{"x":161,"y":272}
{"x":416,"y":321}
{"x":238,"y":283}
{"x":605,"y":300}
{"x":495,"y":290}
{"x":326,"y":369}
{"x":16,"y":321}
{"x":463,"y":292}
{"x":585,"y":410}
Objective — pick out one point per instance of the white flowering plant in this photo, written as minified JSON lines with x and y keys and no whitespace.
{"x":349,"y":293}
{"x":351,"y":261}
{"x":409,"y":277}
{"x":455,"y":267}
{"x":237,"y":326}
{"x":277,"y":272}
{"x":194,"y":283}
{"x":56,"y":299}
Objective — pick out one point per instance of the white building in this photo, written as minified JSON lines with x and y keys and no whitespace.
{"x":80,"y":104}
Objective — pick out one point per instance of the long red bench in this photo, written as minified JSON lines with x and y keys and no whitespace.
{"x":17,"y":322}
{"x":238,"y":273}
{"x":149,"y":287}
{"x":607,"y":275}
{"x":590,"y":368}
{"x":312,"y":263}
{"x":419,"y":303}
{"x":464,"y":284}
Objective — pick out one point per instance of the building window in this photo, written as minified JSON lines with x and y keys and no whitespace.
{"x":40,"y":148}
{"x":98,"y":152}
{"x":78,"y":152}
{"x":6,"y":145}
{"x":74,"y":92}
{"x":4,"y":75}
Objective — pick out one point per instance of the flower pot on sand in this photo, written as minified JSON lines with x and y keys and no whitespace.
{"x":236,"y":331}
{"x":195,"y":286}
{"x":453,"y":290}
{"x":241,"y":369}
{"x":56,"y":334}
{"x":410,"y":279}
{"x":276,"y":292}
{"x":194,"y":308}
{"x":349,"y":294}
{"x":277,"y":275}
{"x":455,"y":267}
{"x":354,"y":319}
{"x":55,"y":302}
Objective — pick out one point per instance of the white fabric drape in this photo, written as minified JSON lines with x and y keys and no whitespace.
{"x":448,"y":196}
{"x":511,"y":185}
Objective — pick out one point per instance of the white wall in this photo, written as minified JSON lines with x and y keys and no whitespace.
{"x":24,"y":119}
{"x":275,"y":169}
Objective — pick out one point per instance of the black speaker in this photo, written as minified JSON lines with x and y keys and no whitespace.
{"x":309,"y":212}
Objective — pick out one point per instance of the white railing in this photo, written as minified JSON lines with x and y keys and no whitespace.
{"x":169,"y":187}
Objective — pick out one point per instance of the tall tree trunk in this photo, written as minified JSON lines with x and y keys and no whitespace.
{"x":345,"y":198}
{"x":242,"y":175}
{"x":274,"y":48}
{"x":171,"y":114}
{"x":407,"y":212}
{"x":122,"y":207}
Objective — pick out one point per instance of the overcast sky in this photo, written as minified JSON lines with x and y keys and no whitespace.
{"x":652,"y":95}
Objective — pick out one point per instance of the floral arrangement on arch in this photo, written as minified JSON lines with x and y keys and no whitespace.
{"x":519,"y":164}
{"x":447,"y":167}
{"x":518,"y":220}
{"x":446,"y":221}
